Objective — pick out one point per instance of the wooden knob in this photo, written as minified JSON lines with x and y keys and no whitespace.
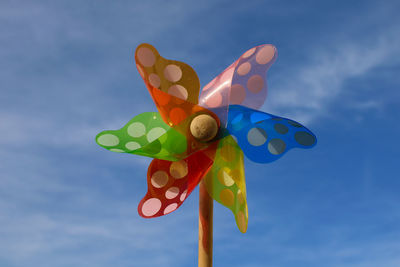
{"x":204,"y":127}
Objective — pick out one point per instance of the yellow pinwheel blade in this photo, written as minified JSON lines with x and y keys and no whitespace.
{"x":225,"y":182}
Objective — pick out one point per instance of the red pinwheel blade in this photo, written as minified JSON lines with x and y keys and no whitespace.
{"x":170,"y":183}
{"x":243,"y":82}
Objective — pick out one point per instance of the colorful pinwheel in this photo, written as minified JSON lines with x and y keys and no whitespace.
{"x":194,"y":138}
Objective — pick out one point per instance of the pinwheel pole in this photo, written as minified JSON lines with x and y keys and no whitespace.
{"x":205,"y":128}
{"x":205,"y":227}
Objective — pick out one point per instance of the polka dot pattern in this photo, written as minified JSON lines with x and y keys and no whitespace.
{"x":264,"y":137}
{"x":151,"y":207}
{"x":276,"y":146}
{"x":244,"y":69}
{"x":255,"y":83}
{"x":257,"y":136}
{"x":136,"y":129}
{"x":179,"y":169}
{"x":108,"y":140}
{"x":170,"y":76}
{"x":132,"y":145}
{"x":170,"y":208}
{"x":146,"y":135}
{"x":304,"y":138}
{"x":169,"y":183}
{"x":159,"y":179}
{"x":154,"y":80}
{"x":225,"y":182}
{"x":280,"y":128}
{"x":183,"y":195}
{"x":117,"y":150}
{"x":226,"y":196}
{"x":172,"y":192}
{"x":242,"y":83}
{"x":172,"y":73}
{"x":178,"y":91}
{"x":146,"y":57}
{"x":224,"y":178}
{"x":265,"y":54}
{"x":155,"y":133}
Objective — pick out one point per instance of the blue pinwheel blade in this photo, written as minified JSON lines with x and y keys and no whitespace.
{"x":265,"y":137}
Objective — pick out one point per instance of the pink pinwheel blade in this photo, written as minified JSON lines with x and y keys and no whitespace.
{"x":242,"y":83}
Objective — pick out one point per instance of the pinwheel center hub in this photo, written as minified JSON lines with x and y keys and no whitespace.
{"x":204,"y":127}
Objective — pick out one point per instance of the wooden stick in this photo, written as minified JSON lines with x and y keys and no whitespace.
{"x":205,"y":227}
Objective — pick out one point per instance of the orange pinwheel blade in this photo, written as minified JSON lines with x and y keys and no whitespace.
{"x":170,"y":76}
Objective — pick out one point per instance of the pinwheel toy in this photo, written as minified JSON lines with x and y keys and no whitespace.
{"x":195,"y":140}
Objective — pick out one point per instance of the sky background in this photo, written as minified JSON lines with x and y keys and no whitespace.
{"x":67,"y":72}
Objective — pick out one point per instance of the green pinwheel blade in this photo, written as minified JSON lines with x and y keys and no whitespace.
{"x":146,"y":135}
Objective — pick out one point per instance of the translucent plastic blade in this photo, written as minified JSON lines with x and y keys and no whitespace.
{"x":225,"y":182}
{"x":170,"y":183}
{"x":243,"y":82}
{"x":174,"y":87}
{"x":170,"y":76}
{"x":264,"y":137}
{"x":146,"y":135}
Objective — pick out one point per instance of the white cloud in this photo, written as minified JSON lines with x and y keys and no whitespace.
{"x":308,"y":91}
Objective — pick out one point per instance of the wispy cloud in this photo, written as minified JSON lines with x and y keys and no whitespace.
{"x":67,"y":73}
{"x":309,"y":91}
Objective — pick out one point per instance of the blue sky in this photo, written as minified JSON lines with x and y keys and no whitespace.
{"x":67,"y":72}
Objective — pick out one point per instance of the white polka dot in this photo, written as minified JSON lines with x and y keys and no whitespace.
{"x":159,"y":179}
{"x":304,"y":138}
{"x":172,"y":73}
{"x":146,"y":57}
{"x":255,"y":83}
{"x":281,"y":128}
{"x":132,"y":145}
{"x":183,"y":196}
{"x":276,"y":146}
{"x":257,"y":136}
{"x":178,"y":91}
{"x":136,"y":129}
{"x":213,"y":100}
{"x":224,"y":177}
{"x":172,"y":192}
{"x":178,"y":169}
{"x":155,"y":133}
{"x":170,"y":208}
{"x":154,"y":80}
{"x":249,"y":52}
{"x":117,"y":150}
{"x":151,"y":207}
{"x":108,"y":140}
{"x":244,"y":69}
{"x":265,"y":54}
